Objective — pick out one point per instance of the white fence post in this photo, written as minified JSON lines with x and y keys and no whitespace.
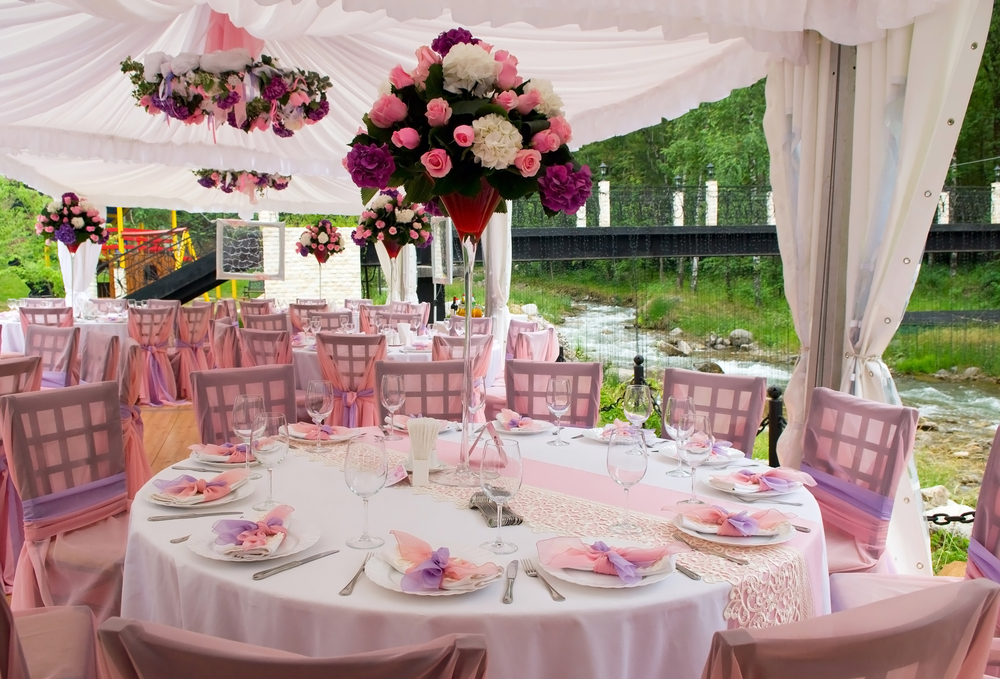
{"x":581,"y":217}
{"x":995,"y":203}
{"x":944,"y":208}
{"x":604,"y":202}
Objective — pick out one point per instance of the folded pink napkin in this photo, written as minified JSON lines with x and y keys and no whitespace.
{"x":630,"y":564}
{"x":227,"y":453}
{"x":426,"y":569}
{"x":323,"y":432}
{"x":781,"y":479}
{"x":511,"y":420}
{"x":253,"y":538}
{"x":718,"y":520}
{"x":186,"y":489}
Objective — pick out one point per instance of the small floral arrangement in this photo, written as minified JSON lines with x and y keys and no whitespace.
{"x":394,"y":222}
{"x":73,"y":221}
{"x":229,"y":87}
{"x":321,"y":240}
{"x":249,"y":183}
{"x":463,"y":116}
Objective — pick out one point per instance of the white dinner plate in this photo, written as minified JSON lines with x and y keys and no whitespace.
{"x":302,"y":534}
{"x":225,"y":466}
{"x":597,"y":434}
{"x":382,"y":574}
{"x":334,"y":438}
{"x":241,"y":491}
{"x":727,"y":457}
{"x":716,"y":483}
{"x":542,"y":427}
{"x":602,"y":581}
{"x":785,"y":534}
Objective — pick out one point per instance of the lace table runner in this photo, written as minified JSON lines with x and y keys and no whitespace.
{"x":773,"y":589}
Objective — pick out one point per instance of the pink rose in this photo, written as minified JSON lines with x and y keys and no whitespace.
{"x":49,"y":229}
{"x":392,"y":230}
{"x":426,"y":57}
{"x":414,"y":235}
{"x":298,"y":98}
{"x":91,"y":228}
{"x":54,"y":218}
{"x":559,"y":125}
{"x":43,"y":218}
{"x":545,"y":141}
{"x":485,"y":45}
{"x":388,"y":109}
{"x":507,"y":77}
{"x":75,"y":209}
{"x":528,"y":161}
{"x":39,"y":228}
{"x":507,"y":99}
{"x":320,"y":248}
{"x":260,"y":123}
{"x":215,"y":175}
{"x":380,"y":224}
{"x":343,"y":161}
{"x":436,"y":162}
{"x":528,"y":101}
{"x":93,"y":237}
{"x":438,"y":112}
{"x":399,"y":78}
{"x":407,"y":137}
{"x":381,"y":236}
{"x":464,"y":135}
{"x":67,"y":200}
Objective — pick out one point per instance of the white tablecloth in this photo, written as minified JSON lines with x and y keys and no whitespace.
{"x":662,"y":630}
{"x":12,"y":337}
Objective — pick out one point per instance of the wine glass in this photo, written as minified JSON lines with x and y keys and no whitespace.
{"x":348,"y":327}
{"x":269,"y":445}
{"x":637,"y":404}
{"x":245,"y":412}
{"x":500,"y":478}
{"x":696,"y":449}
{"x":678,"y":407}
{"x":365,"y":469}
{"x":627,"y":463}
{"x":393,"y":395}
{"x":319,"y":404}
{"x":13,"y":304}
{"x":557,"y":398}
{"x":477,"y":399}
{"x":315,"y":324}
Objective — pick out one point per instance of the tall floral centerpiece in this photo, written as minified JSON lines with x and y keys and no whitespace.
{"x":321,"y":241}
{"x":72,"y":220}
{"x":464,"y":130}
{"x":248,"y":182}
{"x":394,"y":222}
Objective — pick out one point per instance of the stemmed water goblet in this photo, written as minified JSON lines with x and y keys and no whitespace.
{"x":637,"y":404}
{"x":678,"y":408}
{"x":245,"y":411}
{"x":392,"y":393}
{"x":315,"y":324}
{"x":500,"y":473}
{"x":365,"y":469}
{"x":269,"y":445}
{"x":13,"y":304}
{"x":319,"y":405}
{"x":696,"y":449}
{"x":627,"y":464}
{"x":557,"y":398}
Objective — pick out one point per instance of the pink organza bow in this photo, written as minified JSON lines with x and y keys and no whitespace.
{"x":432,"y":568}
{"x":322,"y":432}
{"x":617,"y":427}
{"x":234,"y":454}
{"x":779,"y":479}
{"x":212,"y":489}
{"x":736,"y":524}
{"x":249,"y":534}
{"x":512,"y":420}
{"x":630,"y":564}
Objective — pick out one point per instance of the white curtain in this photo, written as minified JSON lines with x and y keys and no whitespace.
{"x":82,"y":269}
{"x":497,"y":267}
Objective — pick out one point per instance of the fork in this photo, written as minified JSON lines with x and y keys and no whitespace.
{"x":531,"y":572}
{"x":349,"y":587}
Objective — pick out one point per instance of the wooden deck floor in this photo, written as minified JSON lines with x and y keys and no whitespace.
{"x":167,"y":433}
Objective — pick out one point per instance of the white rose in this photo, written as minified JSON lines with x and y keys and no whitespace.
{"x":404,"y":216}
{"x":551,"y":102}
{"x":380,"y":201}
{"x":469,"y":67}
{"x":385,"y":87}
{"x":323,"y":238}
{"x":151,"y":66}
{"x":496,"y":142}
{"x":305,"y":238}
{"x":181,"y":64}
{"x":86,"y":206}
{"x":77,"y":222}
{"x":229,"y":60}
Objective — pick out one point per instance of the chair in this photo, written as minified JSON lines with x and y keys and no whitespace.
{"x":332,"y":320}
{"x":56,"y":317}
{"x":366,"y":316}
{"x":264,"y":347}
{"x":527,"y":382}
{"x":225,"y":308}
{"x":299,"y":314}
{"x":99,"y":358}
{"x":40,"y":302}
{"x":267,"y":322}
{"x":424,"y":309}
{"x":55,"y":643}
{"x":516,"y":328}
{"x":541,"y":345}
{"x":225,"y":343}
{"x":734,"y":403}
{"x":59,"y":350}
{"x":174,"y":304}
{"x":192,"y":338}
{"x":389,"y":319}
{"x":856,"y":450}
{"x":151,"y":329}
{"x":307,"y":300}
{"x":348,"y":363}
{"x":432,"y":389}
{"x":480,"y":326}
{"x":65,"y":454}
{"x":143,"y":649}
{"x":200,"y":302}
{"x":137,"y":469}
{"x":402,"y":307}
{"x":359,"y":302}
{"x":940,"y":633}
{"x":254,"y":307}
{"x":215,"y":393}
{"x":451,"y":348}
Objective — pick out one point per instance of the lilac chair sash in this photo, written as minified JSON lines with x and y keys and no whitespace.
{"x":134,"y":414}
{"x":55,"y":379}
{"x":875,"y":505}
{"x":350,"y":399}
{"x":65,"y":502}
{"x":156,"y":382}
{"x":984,"y":560}
{"x":181,"y":344}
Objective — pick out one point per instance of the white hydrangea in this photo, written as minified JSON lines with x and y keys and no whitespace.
{"x":305,"y":238}
{"x":77,"y":222}
{"x":86,"y":206}
{"x":496,"y":142}
{"x":469,"y":67}
{"x":551,"y":102}
{"x":380,"y":201}
{"x":404,"y":216}
{"x":53,"y":207}
{"x":151,"y":66}
{"x":385,"y":87}
{"x":323,"y":238}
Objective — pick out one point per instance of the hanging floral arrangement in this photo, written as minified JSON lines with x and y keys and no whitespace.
{"x":229,"y":87}
{"x":249,"y":183}
{"x":72,"y":221}
{"x":321,"y":240}
{"x":394,"y":222}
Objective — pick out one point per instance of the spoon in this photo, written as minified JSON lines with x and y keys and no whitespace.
{"x":177,"y":541}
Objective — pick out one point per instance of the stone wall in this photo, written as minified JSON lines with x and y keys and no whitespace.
{"x":341,"y":273}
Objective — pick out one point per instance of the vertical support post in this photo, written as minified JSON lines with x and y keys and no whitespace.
{"x":679,"y":221}
{"x":581,"y":217}
{"x":995,"y":203}
{"x":775,"y":424}
{"x":176,"y":241}
{"x":218,"y":292}
{"x":638,"y":371}
{"x":232,"y":289}
{"x":604,"y":202}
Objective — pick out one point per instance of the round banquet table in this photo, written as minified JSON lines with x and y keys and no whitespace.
{"x":12,"y":336}
{"x":663,"y":629}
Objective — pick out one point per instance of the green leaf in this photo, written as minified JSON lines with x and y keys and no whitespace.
{"x":380,"y":134}
{"x":486,"y":109}
{"x":470,"y":107}
{"x":512,"y":185}
{"x":367,"y":195}
{"x":530,"y":129}
{"x":419,"y":189}
{"x":434,"y":85}
{"x":501,"y":208}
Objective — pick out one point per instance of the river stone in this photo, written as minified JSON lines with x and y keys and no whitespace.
{"x":740,"y":337}
{"x":923,"y":424}
{"x":709,"y":367}
{"x":676,"y":332}
{"x":971,"y":372}
{"x":669,"y":349}
{"x":942,"y":374}
{"x":684,"y":348}
{"x":960,"y":453}
{"x":935,"y":496}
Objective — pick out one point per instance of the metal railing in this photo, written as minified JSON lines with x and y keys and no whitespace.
{"x":157,"y":257}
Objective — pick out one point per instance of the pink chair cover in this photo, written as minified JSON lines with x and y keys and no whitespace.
{"x":856,"y":450}
{"x":516,"y":328}
{"x":130,"y":372}
{"x":308,"y":300}
{"x":192,"y":339}
{"x":43,"y":301}
{"x":402,"y":307}
{"x":99,"y":359}
{"x":264,"y":347}
{"x":348,"y":363}
{"x":58,"y":317}
{"x":527,"y":382}
{"x":225,"y":308}
{"x":20,"y":373}
{"x":366,"y":316}
{"x":940,"y":633}
{"x":480,"y":326}
{"x":299,"y":314}
{"x":225,"y":343}
{"x":390,"y":319}
{"x":67,"y":461}
{"x":48,"y":643}
{"x":215,"y":393}
{"x":141,"y":649}
{"x":174,"y":304}
{"x":267,"y":322}
{"x":733,"y":403}
{"x":541,"y":345}
{"x":452,"y":348}
{"x":151,"y":328}
{"x":359,"y":302}
{"x":59,"y":350}
{"x":432,"y":389}
{"x":332,"y":320}
{"x":254,"y":307}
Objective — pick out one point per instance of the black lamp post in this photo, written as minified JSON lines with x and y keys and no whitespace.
{"x":604,"y":170}
{"x":711,"y":170}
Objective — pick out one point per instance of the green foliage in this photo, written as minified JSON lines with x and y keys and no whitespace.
{"x":23,"y":251}
{"x":11,"y":286}
{"x":302,"y":221}
{"x":947,"y":547}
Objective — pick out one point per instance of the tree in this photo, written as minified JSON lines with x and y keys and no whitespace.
{"x":24,"y":250}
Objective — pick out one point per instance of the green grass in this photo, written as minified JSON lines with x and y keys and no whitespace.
{"x":947,"y":547}
{"x":925,"y":350}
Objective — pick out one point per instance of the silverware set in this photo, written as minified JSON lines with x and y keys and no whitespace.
{"x":349,"y":587}
{"x":532,"y":572}
{"x":508,"y":595}
{"x":260,"y":575}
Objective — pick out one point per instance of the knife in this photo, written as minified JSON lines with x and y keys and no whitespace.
{"x":193,"y":515}
{"x":260,"y":575}
{"x":687,"y":571}
{"x":196,"y":469}
{"x":508,"y":595}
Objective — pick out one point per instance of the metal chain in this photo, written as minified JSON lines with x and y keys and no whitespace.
{"x":944,"y":519}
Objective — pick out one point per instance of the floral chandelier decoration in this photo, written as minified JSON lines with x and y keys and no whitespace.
{"x":249,"y":183}
{"x":394,"y":222}
{"x":229,"y":87}
{"x":321,"y":240}
{"x":72,"y":221}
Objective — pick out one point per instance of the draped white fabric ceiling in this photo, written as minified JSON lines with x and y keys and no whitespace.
{"x":68,"y":122}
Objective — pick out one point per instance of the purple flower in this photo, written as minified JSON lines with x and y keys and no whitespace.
{"x":66,"y":234}
{"x":231,"y":99}
{"x":280,"y":184}
{"x":433,"y":208}
{"x":319,"y":112}
{"x":370,"y":166}
{"x":563,"y":190}
{"x":427,"y":242}
{"x":358,"y":240}
{"x":275,"y":89}
{"x":72,"y":196}
{"x":427,"y":575}
{"x":227,"y":187}
{"x":261,"y":180}
{"x":207,"y":182}
{"x":281,"y":130}
{"x":169,"y":106}
{"x":392,"y":193}
{"x":448,"y":39}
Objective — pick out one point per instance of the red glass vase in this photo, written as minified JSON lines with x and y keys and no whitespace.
{"x":392,"y":248}
{"x":471,"y":215}
{"x":321,"y":257}
{"x":73,"y":247}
